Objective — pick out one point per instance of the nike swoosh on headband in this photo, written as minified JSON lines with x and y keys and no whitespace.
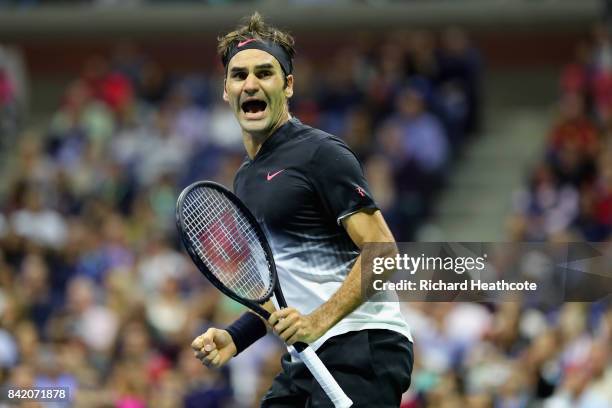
{"x":245,"y":42}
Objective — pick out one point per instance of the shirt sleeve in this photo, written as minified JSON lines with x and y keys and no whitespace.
{"x":339,"y":181}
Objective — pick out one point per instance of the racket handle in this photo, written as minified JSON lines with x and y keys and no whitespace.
{"x":323,"y":376}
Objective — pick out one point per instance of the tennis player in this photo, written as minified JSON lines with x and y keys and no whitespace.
{"x":308,"y":191}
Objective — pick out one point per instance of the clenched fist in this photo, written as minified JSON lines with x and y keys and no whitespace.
{"x":214,"y":348}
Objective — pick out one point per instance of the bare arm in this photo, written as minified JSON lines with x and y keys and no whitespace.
{"x":291,"y":326}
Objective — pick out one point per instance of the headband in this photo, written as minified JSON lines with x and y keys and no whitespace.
{"x":273,"y":49}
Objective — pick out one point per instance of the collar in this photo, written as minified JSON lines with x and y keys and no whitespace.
{"x":277,"y":138}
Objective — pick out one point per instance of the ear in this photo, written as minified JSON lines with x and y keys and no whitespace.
{"x":289,"y":88}
{"x":225,"y":96}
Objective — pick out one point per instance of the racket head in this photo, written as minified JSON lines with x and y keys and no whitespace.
{"x":220,"y":233}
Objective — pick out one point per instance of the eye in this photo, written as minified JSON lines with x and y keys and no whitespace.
{"x":240,"y":75}
{"x":264,"y":74}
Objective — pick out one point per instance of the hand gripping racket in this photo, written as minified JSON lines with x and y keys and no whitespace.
{"x":229,"y":247}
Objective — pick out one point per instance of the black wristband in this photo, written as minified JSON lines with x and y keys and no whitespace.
{"x":246,"y":330}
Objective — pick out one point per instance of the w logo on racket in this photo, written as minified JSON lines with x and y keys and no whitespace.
{"x":225,"y":247}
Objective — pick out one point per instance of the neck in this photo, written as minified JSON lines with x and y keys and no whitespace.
{"x":253,"y":141}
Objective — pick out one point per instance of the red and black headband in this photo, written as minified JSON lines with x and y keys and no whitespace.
{"x":271,"y":48}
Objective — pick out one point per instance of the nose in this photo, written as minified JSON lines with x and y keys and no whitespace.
{"x":251,"y":84}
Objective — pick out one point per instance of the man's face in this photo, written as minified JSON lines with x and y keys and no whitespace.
{"x":254,"y":88}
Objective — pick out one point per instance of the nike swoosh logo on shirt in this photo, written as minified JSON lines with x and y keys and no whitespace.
{"x":245,"y":42}
{"x":271,"y":176}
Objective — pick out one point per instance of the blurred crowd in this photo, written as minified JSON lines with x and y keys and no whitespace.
{"x":477,"y":356}
{"x":96,"y":294}
{"x":569,"y":193}
{"x":560,"y":358}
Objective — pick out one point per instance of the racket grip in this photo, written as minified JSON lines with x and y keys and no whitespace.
{"x":323,"y":376}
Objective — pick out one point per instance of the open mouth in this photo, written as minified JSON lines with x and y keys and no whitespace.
{"x":253,"y":106}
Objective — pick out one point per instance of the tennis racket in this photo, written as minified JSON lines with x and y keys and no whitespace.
{"x":229,"y":247}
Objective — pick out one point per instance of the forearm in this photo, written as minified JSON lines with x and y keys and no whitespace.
{"x":364,"y":228}
{"x":346,"y":299}
{"x":352,"y":292}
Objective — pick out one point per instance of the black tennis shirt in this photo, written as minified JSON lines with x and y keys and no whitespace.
{"x":303,"y":181}
{"x":299,"y":186}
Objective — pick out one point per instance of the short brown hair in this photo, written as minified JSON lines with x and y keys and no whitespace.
{"x":255,"y":27}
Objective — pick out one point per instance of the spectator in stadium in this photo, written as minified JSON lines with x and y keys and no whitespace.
{"x":573,"y":143}
{"x":544,"y":208}
{"x":458,"y":85}
{"x":602,"y":196}
{"x":423,"y":138}
{"x":576,"y":75}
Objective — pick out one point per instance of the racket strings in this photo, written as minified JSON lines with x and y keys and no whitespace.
{"x":226,"y":242}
